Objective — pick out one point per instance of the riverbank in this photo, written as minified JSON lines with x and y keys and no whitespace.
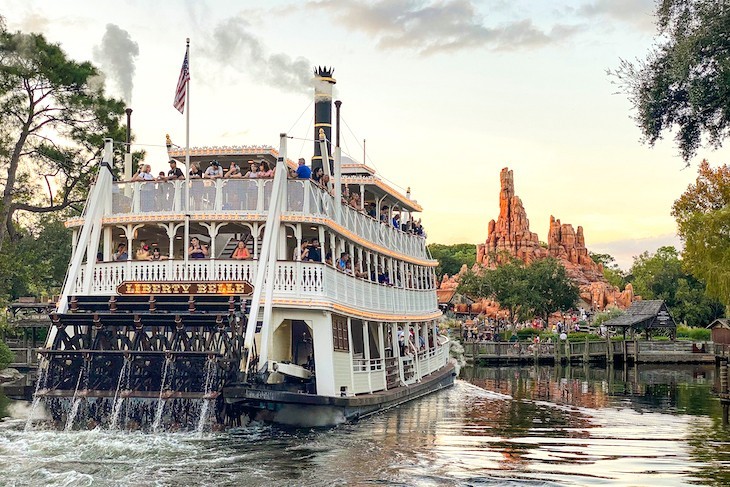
{"x":596,"y":351}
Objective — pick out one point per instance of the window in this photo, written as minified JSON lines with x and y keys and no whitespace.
{"x":339,"y":333}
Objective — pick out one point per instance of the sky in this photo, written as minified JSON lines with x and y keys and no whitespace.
{"x":446,"y":93}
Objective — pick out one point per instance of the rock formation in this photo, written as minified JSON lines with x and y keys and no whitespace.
{"x":510,"y":237}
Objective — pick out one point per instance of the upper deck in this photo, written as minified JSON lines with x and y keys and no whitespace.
{"x":248,"y":200}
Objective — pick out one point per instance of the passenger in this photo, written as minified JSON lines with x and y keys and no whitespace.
{"x":317,"y":175}
{"x":328,"y":258}
{"x":241,"y":252}
{"x":253,"y":171}
{"x":157,"y":254}
{"x":384,"y":214}
{"x":372,"y":210}
{"x":342,"y":262}
{"x":144,"y":174}
{"x":194,"y":170}
{"x":302,"y":253}
{"x":214,"y":171}
{"x":265,"y":171}
{"x":355,"y":201}
{"x":233,"y":171}
{"x":315,"y":253}
{"x":196,"y":249}
{"x":174,"y":172}
{"x":121,"y":253}
{"x":161,"y":176}
{"x":143,"y":253}
{"x":348,"y":268}
{"x":303,"y":172}
{"x":396,"y":221}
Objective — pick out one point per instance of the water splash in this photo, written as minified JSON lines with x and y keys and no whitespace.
{"x":76,"y":403}
{"x":41,"y":384}
{"x":118,"y":399}
{"x":162,"y":401}
{"x":211,"y":373}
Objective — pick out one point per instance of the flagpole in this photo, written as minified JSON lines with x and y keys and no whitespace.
{"x":187,"y":162}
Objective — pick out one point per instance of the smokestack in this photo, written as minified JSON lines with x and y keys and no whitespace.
{"x":129,"y":130}
{"x":323,"y":83}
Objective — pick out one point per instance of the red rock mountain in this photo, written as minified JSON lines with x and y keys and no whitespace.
{"x":510,"y":237}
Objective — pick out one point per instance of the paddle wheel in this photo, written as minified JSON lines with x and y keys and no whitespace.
{"x":142,"y":350}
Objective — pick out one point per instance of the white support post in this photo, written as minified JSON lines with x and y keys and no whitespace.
{"x":93,"y":217}
{"x":366,"y":352}
{"x":381,"y":347}
{"x":267,"y":265}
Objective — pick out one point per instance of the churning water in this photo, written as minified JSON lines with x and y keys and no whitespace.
{"x":536,"y":426}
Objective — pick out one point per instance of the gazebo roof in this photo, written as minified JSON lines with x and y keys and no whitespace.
{"x":644,"y":314}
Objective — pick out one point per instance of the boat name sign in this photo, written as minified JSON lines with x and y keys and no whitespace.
{"x":185,"y":288}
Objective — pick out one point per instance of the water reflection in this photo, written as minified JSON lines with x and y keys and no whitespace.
{"x":499,"y":426}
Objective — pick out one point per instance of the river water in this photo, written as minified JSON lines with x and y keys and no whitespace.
{"x":535,"y":426}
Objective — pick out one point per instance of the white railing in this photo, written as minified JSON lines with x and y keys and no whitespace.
{"x":242,"y":196}
{"x":292,"y":280}
{"x":368,"y":375}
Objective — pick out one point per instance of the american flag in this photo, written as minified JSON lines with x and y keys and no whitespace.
{"x":182,"y":86}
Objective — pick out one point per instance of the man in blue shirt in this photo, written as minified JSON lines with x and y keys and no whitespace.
{"x":303,"y":172}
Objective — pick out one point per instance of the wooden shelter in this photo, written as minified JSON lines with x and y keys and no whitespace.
{"x":645,"y":316}
{"x":720,"y":331}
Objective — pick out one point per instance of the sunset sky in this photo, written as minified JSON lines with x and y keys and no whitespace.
{"x":446,"y":92}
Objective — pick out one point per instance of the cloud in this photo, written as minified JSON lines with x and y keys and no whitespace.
{"x":639,"y":13}
{"x":116,"y":54}
{"x":625,"y":250}
{"x":235,"y":45}
{"x":437,"y":26}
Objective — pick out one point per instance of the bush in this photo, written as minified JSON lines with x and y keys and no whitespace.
{"x":581,"y":337}
{"x":695,"y":334}
{"x":606,"y":315}
{"x":6,"y":356}
{"x":527,"y":333}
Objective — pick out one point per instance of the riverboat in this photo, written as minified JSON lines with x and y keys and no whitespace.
{"x":174,"y":332}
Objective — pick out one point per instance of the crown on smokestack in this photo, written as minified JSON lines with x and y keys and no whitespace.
{"x":324,"y":71}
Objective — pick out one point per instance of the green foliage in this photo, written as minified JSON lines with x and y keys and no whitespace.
{"x":539,"y":289}
{"x":683,"y":85}
{"x":527,"y":333}
{"x":608,"y":314}
{"x":583,"y":336}
{"x":661,"y":276}
{"x":36,"y":263}
{"x":611,"y":271}
{"x":6,"y":356}
{"x":702,"y":213}
{"x":695,"y":334}
{"x":452,"y":257}
{"x":54,"y":117}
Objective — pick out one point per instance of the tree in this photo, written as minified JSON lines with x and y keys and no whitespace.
{"x":661,"y":276}
{"x":702,"y":213}
{"x":53,"y":119}
{"x":684,"y":82}
{"x":538,"y":289}
{"x":551,"y":289}
{"x":452,"y":257}
{"x":611,"y":271}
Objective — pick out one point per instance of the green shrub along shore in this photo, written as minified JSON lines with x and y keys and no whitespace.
{"x":6,"y":356}
{"x":528,"y":334}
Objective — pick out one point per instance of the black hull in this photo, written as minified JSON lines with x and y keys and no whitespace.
{"x":307,"y":410}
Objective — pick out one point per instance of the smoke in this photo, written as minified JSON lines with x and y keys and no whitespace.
{"x":22,"y":410}
{"x":233,"y":45}
{"x":116,"y":54}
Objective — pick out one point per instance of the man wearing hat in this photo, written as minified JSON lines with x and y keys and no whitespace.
{"x":174,"y":172}
{"x":214,"y":171}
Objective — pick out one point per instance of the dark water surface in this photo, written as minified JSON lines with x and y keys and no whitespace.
{"x":646,"y":426}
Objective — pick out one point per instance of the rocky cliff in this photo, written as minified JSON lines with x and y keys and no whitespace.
{"x":510,"y":237}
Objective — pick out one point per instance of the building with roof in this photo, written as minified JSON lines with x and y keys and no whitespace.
{"x":648,"y":316}
{"x":720,"y":331}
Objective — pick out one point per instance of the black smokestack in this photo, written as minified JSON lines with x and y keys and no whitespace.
{"x":323,"y":83}
{"x":129,"y":130}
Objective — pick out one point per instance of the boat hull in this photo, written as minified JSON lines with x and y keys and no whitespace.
{"x":311,"y":410}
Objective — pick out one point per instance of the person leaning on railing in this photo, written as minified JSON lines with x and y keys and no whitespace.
{"x":241,"y":251}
